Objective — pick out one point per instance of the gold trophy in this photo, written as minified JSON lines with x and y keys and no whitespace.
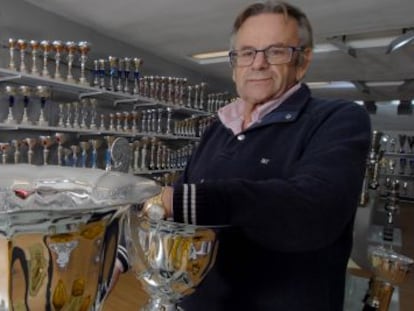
{"x":390,"y":269}
{"x":59,"y":232}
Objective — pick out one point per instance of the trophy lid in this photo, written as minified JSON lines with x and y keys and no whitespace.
{"x":27,"y":187}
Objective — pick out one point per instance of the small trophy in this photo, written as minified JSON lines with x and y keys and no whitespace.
{"x":43,"y":92}
{"x":61,"y":138}
{"x":22,"y":45}
{"x":58,"y":48}
{"x":31,"y":143}
{"x":84,"y":48}
{"x":71,"y":49}
{"x":46,"y":47}
{"x":127,"y":70}
{"x":12,"y":48}
{"x":35,"y":50}
{"x":137,"y":64}
{"x":11,"y":92}
{"x":112,"y":72}
{"x":25,"y":91}
{"x":46,"y":142}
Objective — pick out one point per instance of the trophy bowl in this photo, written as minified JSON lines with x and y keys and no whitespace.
{"x":59,"y":232}
{"x":389,"y":265}
{"x":169,"y":259}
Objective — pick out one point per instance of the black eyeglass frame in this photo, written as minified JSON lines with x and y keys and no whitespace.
{"x":292,"y":49}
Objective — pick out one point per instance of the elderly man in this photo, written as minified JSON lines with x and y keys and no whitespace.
{"x":282,"y":169}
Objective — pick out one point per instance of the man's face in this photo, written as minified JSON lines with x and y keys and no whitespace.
{"x":261,"y":81}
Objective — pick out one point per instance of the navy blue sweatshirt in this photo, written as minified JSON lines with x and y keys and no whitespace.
{"x":288,"y":188}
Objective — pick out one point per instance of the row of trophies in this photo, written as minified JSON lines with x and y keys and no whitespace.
{"x":143,"y":155}
{"x":44,"y":49}
{"x":118,"y":74}
{"x":389,"y":268}
{"x":397,"y":166}
{"x":405,"y":143}
{"x":27,"y":106}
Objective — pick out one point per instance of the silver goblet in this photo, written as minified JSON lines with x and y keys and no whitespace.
{"x":169,"y":259}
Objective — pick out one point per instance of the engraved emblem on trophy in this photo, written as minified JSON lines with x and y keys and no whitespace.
{"x":12,"y":47}
{"x":71,"y":48}
{"x":84,"y":48}
{"x":168,"y":276}
{"x":35,"y":51}
{"x":58,"y":48}
{"x":22,"y":45}
{"x":46,"y":47}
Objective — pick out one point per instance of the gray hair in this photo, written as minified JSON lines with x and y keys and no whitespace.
{"x":277,"y":7}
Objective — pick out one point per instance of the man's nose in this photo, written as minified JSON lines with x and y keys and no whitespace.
{"x":260,"y":60}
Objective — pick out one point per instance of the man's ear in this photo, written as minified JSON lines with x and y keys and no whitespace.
{"x":303,"y":63}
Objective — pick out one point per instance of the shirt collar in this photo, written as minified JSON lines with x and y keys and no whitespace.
{"x":232,"y":114}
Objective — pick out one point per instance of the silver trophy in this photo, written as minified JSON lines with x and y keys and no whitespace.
{"x":59,"y":230}
{"x":170,"y":259}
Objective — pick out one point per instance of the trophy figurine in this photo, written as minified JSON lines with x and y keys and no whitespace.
{"x":60,"y":138}
{"x":46,"y":48}
{"x":169,"y":259}
{"x":84,"y":48}
{"x":25,"y":91}
{"x":71,"y":48}
{"x":46,"y":142}
{"x":127,"y":70}
{"x":12,"y":48}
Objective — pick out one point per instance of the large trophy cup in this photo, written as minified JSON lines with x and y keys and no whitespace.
{"x":390,"y":269}
{"x":169,"y":259}
{"x":59,"y":230}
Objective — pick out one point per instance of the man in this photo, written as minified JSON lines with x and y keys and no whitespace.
{"x":282,"y":169}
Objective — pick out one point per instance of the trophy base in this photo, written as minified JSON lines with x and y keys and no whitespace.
{"x":157,"y":304}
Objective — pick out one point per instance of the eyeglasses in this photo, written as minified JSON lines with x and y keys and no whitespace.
{"x":275,"y":55}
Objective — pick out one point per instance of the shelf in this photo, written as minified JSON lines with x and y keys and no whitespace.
{"x":84,"y":91}
{"x":399,"y":155}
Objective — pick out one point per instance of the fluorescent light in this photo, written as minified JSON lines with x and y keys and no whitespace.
{"x":214,"y":54}
{"x":331,"y":85}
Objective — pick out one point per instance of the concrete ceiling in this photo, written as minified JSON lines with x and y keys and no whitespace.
{"x":175,"y":29}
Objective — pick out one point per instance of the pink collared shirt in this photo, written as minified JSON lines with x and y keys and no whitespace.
{"x":232,"y":115}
